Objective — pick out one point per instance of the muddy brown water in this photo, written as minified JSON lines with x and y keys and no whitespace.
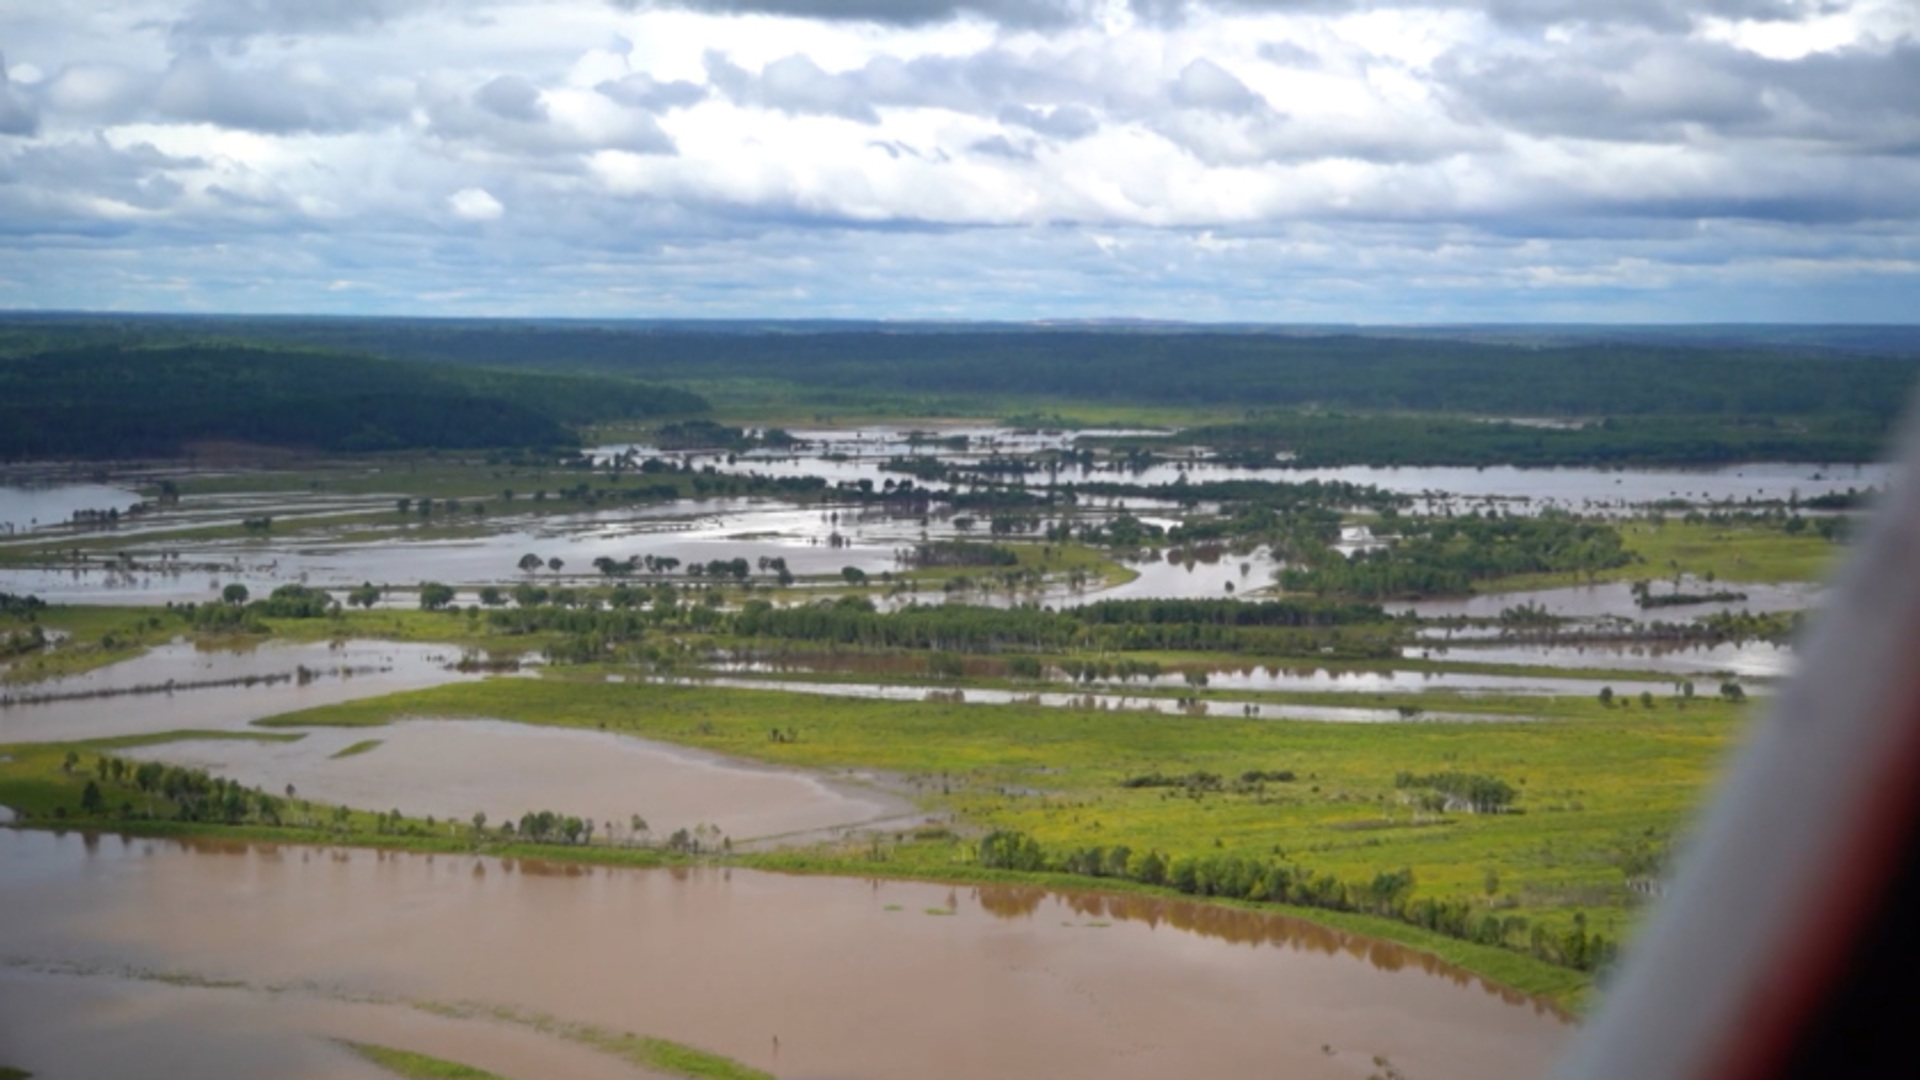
{"x":452,"y":768}
{"x":853,"y":978}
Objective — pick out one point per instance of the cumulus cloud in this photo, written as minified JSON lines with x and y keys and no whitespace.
{"x":1192,"y":157}
{"x":475,"y":204}
{"x":642,"y":91}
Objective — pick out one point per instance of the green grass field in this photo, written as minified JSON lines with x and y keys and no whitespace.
{"x":1597,"y":785}
{"x":412,"y":1066}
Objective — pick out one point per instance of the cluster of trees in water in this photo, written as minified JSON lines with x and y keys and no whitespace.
{"x":1276,"y":627}
{"x":1446,"y":556}
{"x":21,"y":607}
{"x":28,"y":637}
{"x":1271,"y":880}
{"x":108,"y":401}
{"x":185,"y":794}
{"x":235,"y":613}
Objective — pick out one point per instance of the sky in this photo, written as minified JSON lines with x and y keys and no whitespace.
{"x":1287,"y":161}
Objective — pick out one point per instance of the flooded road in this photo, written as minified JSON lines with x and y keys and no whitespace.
{"x":452,"y":768}
{"x":803,"y":977}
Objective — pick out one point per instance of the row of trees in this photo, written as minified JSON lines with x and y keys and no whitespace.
{"x":1389,"y":894}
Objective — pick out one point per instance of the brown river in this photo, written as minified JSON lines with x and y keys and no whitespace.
{"x":164,"y":958}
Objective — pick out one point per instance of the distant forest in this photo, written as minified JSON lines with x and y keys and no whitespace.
{"x":1490,"y":371}
{"x":106,"y":401}
{"x":115,"y":386}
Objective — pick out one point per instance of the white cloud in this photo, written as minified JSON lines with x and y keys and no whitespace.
{"x":1403,"y":148}
{"x":475,"y":204}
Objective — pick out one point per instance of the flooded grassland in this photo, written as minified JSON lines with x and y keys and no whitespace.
{"x":1516,"y":755}
{"x":797,"y":976}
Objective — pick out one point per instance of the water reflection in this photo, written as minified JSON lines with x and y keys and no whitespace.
{"x":856,"y":977}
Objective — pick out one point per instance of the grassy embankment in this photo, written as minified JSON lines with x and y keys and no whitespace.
{"x":412,"y":1066}
{"x":656,"y":1055}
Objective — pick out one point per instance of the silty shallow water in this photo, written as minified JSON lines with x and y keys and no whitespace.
{"x":803,"y":976}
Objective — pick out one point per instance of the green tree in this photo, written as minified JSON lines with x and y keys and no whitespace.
{"x":235,"y":594}
{"x":435,"y":596}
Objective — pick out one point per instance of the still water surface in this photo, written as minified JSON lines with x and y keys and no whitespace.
{"x":853,"y":978}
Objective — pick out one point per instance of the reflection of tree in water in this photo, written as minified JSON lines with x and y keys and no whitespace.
{"x":1241,"y":926}
{"x":1010,"y":901}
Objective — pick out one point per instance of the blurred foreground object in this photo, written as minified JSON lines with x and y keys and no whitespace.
{"x":1789,"y":945}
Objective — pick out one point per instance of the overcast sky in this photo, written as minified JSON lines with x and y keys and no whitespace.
{"x":1259,"y":160}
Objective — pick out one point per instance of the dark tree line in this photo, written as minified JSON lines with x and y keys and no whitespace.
{"x":1388,"y":894}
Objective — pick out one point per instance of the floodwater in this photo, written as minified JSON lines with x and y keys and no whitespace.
{"x":1615,"y":600}
{"x":1585,"y":491}
{"x":852,"y":456}
{"x":133,"y":698}
{"x":801,"y":976}
{"x":1109,"y":702}
{"x":27,"y":508}
{"x":1748,"y":659}
{"x":452,"y":768}
{"x":62,"y":1022}
{"x":1283,"y":678}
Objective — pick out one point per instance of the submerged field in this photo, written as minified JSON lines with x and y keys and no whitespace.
{"x":1041,"y":687}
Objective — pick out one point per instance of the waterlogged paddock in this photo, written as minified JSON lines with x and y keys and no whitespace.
{"x":1747,"y":659}
{"x":181,"y":685}
{"x":799,"y":976}
{"x":1332,"y":714}
{"x":1276,"y":678}
{"x":452,"y":769}
{"x":1616,"y":600}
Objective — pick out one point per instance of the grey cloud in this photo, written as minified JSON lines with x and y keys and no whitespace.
{"x":137,"y":175}
{"x":793,"y":84}
{"x":505,"y":114}
{"x":238,"y":20}
{"x":1287,"y":54}
{"x":97,"y":93}
{"x":1003,"y":147}
{"x":1204,"y":84}
{"x":1670,"y":91}
{"x":982,"y":84}
{"x":18,"y":113}
{"x":511,"y":97}
{"x":1530,"y":14}
{"x":198,"y":87}
{"x":1020,"y":13}
{"x":643,"y":91}
{"x":1065,"y":122}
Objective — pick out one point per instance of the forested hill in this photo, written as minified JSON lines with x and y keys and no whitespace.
{"x":115,"y":402}
{"x":1556,"y":375}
